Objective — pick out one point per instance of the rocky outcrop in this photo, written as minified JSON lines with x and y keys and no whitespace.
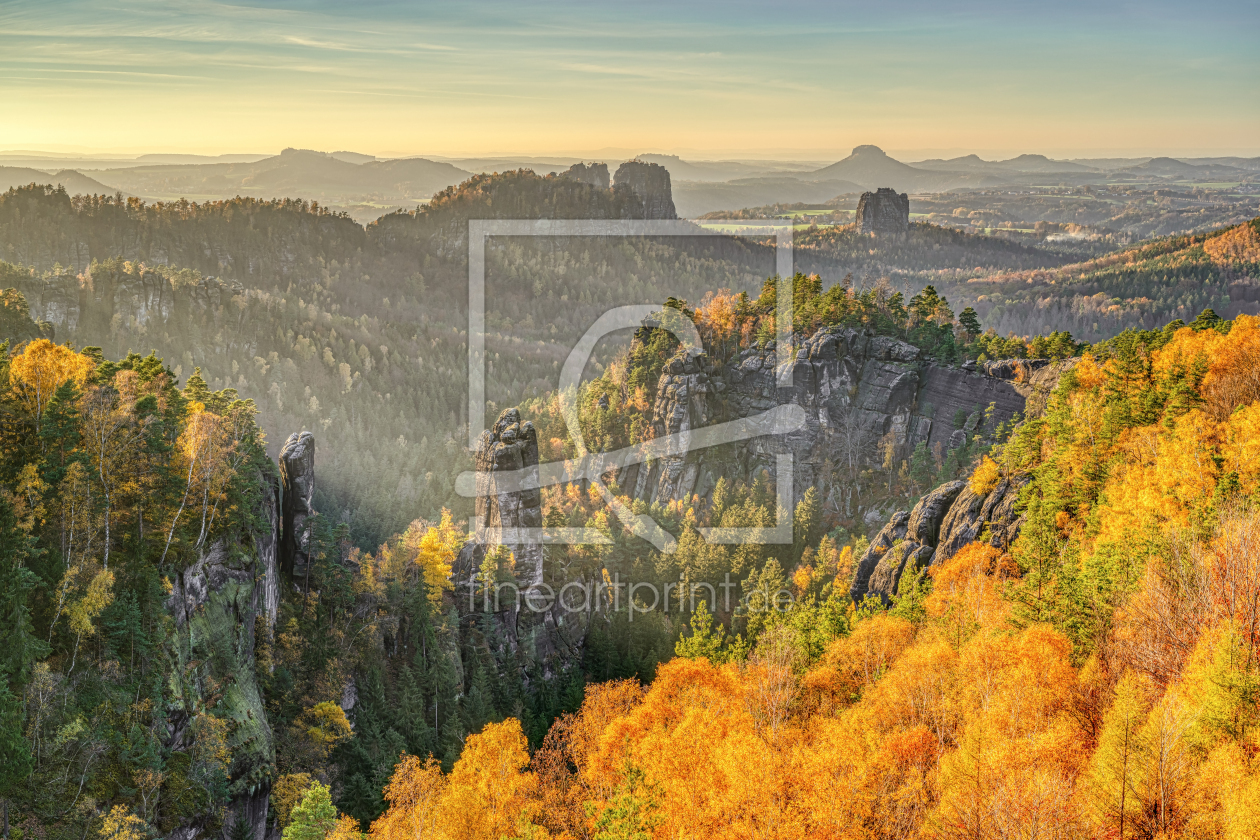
{"x":509,"y":446}
{"x":857,"y":390}
{"x":884,"y":211}
{"x":650,"y":182}
{"x":139,"y":298}
{"x":681,"y":405}
{"x":595,"y":174}
{"x":297,"y":480}
{"x":551,"y":614}
{"x":941,"y":524}
{"x":216,"y":604}
{"x":974,"y":515}
{"x":909,"y":540}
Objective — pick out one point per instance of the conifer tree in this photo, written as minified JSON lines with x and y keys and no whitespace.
{"x":15,"y":753}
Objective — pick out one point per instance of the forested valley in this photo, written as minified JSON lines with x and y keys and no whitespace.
{"x":179,"y":662}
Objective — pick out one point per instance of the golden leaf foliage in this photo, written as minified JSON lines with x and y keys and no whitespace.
{"x":974,"y":720}
{"x":985,"y":477}
{"x":41,"y":368}
{"x":964,"y":726}
{"x":121,"y":824}
{"x":1233,"y":360}
{"x":1238,"y":244}
{"x":423,"y":548}
{"x":287,"y":792}
{"x":490,"y":793}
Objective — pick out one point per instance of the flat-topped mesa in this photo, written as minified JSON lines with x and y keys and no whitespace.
{"x":650,"y":182}
{"x":297,"y":478}
{"x":884,"y":211}
{"x":595,"y":174}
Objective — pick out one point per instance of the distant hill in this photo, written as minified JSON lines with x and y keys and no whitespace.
{"x":872,"y":168}
{"x":74,"y":182}
{"x":694,"y":198}
{"x":1023,"y":163}
{"x":1039,"y":163}
{"x":1173,"y":277}
{"x":294,"y":172}
{"x":709,"y":170}
{"x":1166,"y":167}
{"x":179,"y":158}
{"x":1251,"y":164}
{"x":537,"y":165}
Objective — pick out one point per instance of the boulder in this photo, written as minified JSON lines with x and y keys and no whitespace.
{"x":887,"y":572}
{"x":925,"y":520}
{"x":889,"y":535}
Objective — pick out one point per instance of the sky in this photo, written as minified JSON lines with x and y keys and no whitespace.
{"x":707,"y":80}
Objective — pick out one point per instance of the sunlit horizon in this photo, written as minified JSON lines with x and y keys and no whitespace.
{"x":700,"y":80}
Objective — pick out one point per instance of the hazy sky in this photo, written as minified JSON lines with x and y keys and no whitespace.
{"x":803,"y":79}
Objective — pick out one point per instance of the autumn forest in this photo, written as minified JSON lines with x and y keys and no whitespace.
{"x":1016,"y":595}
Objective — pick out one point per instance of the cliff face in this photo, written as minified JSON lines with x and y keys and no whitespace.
{"x":510,"y":445}
{"x":92,"y":300}
{"x":857,"y":390}
{"x":943,"y":521}
{"x":595,"y":174}
{"x":218,"y":604}
{"x":649,"y":181}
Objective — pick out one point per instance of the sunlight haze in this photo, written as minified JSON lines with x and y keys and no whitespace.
{"x":705,"y":79}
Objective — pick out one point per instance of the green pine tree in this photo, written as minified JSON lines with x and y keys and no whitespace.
{"x":705,"y":641}
{"x":314,"y":817}
{"x":15,"y":754}
{"x":806,"y":523}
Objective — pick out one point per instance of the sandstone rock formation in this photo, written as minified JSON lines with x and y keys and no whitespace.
{"x":215,"y":604}
{"x":945,"y":520}
{"x":681,"y":405}
{"x":552,"y":632}
{"x":857,"y":389}
{"x":595,"y":174}
{"x":650,"y":182}
{"x":510,"y":445}
{"x":297,"y":479}
{"x":91,"y":301}
{"x":884,"y":211}
{"x":907,"y":541}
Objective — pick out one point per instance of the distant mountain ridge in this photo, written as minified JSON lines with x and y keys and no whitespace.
{"x":368,"y":187}
{"x":74,"y":182}
{"x":293,"y":172}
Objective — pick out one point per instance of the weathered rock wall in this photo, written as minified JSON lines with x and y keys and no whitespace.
{"x":92,"y":300}
{"x":552,"y":634}
{"x":218,"y":604}
{"x":595,"y":174}
{"x":857,"y":390}
{"x":297,"y":478}
{"x":509,"y":446}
